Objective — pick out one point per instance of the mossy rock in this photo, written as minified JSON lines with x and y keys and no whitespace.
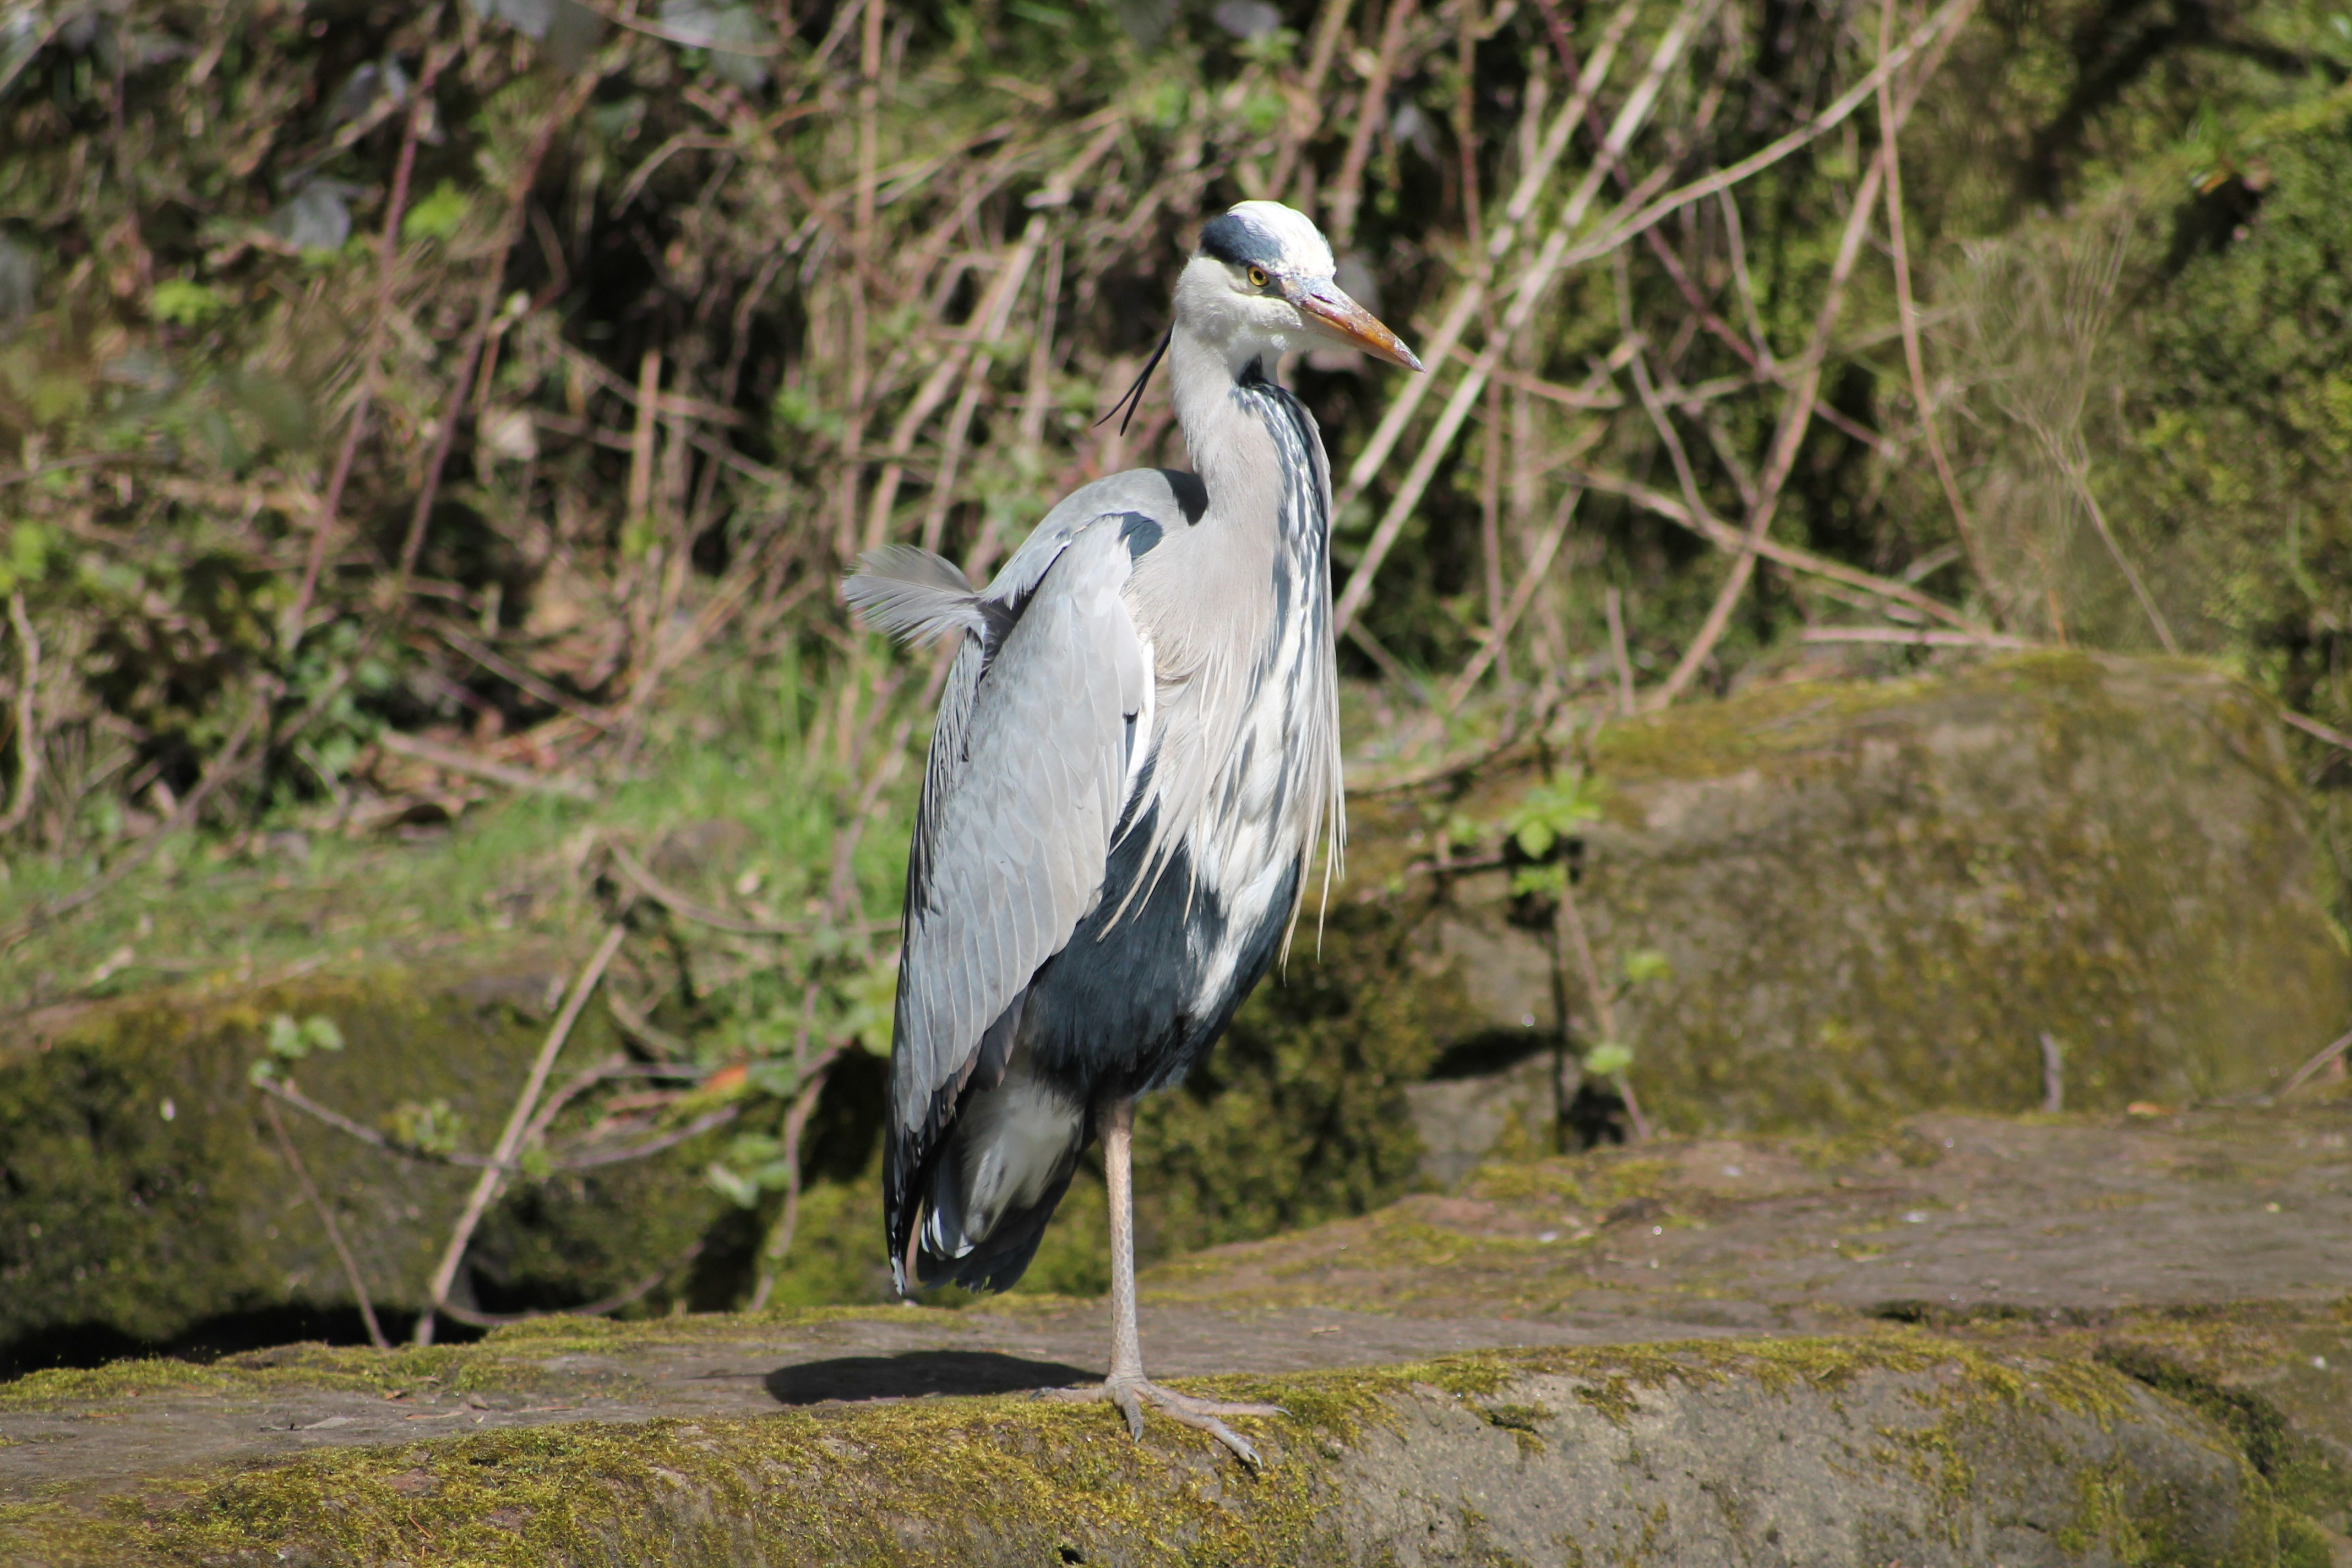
{"x":1831,"y":1450}
{"x":144,"y":1198}
{"x":1878,"y":899}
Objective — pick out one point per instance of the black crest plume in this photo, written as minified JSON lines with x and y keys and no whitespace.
{"x":1133,"y":397}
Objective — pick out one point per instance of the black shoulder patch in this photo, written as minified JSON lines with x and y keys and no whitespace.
{"x":1138,"y":533}
{"x":1238,"y":242}
{"x":1192,"y":495}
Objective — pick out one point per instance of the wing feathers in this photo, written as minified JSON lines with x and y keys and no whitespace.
{"x":1018,"y":828}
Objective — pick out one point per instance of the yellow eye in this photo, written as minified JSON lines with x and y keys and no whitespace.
{"x":1257,"y":276}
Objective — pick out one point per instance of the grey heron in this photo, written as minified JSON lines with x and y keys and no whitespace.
{"x":1137,"y":749}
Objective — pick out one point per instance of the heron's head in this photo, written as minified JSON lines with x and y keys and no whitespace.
{"x":1263,"y":280}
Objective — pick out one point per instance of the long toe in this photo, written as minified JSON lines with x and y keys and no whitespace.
{"x":1131,"y":1395}
{"x":1201,"y":1415}
{"x":1172,"y":1402}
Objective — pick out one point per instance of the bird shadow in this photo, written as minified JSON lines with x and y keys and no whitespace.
{"x":911,"y":1375}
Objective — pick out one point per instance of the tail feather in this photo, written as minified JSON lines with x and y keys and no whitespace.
{"x":988,"y":1196}
{"x":913,"y":595}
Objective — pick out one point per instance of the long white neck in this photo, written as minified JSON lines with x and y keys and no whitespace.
{"x":1255,"y":446}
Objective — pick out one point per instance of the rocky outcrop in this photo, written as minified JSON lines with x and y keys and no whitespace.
{"x":1874,"y":1350}
{"x":142,"y":1196}
{"x":1876,"y":898}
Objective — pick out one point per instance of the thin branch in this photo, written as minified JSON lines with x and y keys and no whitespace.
{"x":609,"y":1304}
{"x":387,"y":264}
{"x":1372,"y":110}
{"x":2310,"y":1069}
{"x":486,"y":309}
{"x":2316,"y":730}
{"x":29,"y":716}
{"x":1471,"y":297}
{"x":1531,"y":287}
{"x":547,"y":692}
{"x":1907,"y":312}
{"x":708,"y":1121}
{"x":1521,"y":593}
{"x":327,"y":1218}
{"x":778,"y":1243}
{"x":1603,"y":1001}
{"x":461,"y":1234}
{"x":2077,"y":474}
{"x":1611,"y":603}
{"x":1796,"y":418}
{"x":458,"y":762}
{"x":233,"y":762}
{"x":1942,"y":25}
{"x":642,"y":881}
{"x":1911,"y":636}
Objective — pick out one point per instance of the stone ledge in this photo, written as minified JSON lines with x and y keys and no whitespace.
{"x":1897,"y":1447}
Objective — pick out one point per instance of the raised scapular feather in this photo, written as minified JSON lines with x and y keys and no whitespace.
{"x":912,"y":594}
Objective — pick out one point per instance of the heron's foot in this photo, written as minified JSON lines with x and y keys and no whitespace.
{"x":1132,"y":1394}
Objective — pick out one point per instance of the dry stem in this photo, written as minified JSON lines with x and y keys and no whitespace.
{"x":477,"y":1202}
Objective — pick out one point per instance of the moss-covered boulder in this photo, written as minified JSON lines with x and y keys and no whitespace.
{"x":1896,"y":1448}
{"x":1875,"y":899}
{"x":1873,"y":1349}
{"x":144,"y":1198}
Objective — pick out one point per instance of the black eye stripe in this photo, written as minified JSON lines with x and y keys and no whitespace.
{"x":1237,"y":242}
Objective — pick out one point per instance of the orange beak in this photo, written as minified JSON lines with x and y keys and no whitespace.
{"x":1322,"y":302}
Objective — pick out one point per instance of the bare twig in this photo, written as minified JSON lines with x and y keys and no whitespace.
{"x":1521,"y":592}
{"x":609,"y":1304}
{"x":778,"y":1243}
{"x":709,"y":1122}
{"x":1796,"y":418}
{"x":546,"y":692}
{"x":642,"y":881}
{"x":486,"y":308}
{"x":355,"y":427}
{"x":477,"y":1202}
{"x":232,"y":762}
{"x":1913,"y":637}
{"x":1371,"y":109}
{"x":2078,"y":475}
{"x":1471,"y":296}
{"x":2053,"y":1075}
{"x":327,"y":1218}
{"x":28,"y":715}
{"x":2310,"y":1069}
{"x":1726,"y":537}
{"x":2316,"y":730}
{"x":1907,"y":311}
{"x":458,"y":762}
{"x":1530,"y":288}
{"x":1939,"y":29}
{"x":1611,"y":603}
{"x":1601,"y":998}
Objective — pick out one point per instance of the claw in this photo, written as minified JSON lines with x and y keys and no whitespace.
{"x":1130,"y":1395}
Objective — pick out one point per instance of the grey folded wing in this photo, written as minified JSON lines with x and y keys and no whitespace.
{"x":1028,"y":775}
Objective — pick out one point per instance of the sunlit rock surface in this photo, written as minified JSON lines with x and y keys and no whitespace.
{"x":1711,"y":1351}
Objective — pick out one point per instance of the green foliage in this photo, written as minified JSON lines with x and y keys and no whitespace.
{"x":28,"y":556}
{"x":431,"y":1128}
{"x":439,"y":215}
{"x":291,"y":1041}
{"x":181,"y":303}
{"x":1549,"y":811}
{"x":1643,"y":964}
{"x":1608,"y":1060}
{"x":753,"y":1164}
